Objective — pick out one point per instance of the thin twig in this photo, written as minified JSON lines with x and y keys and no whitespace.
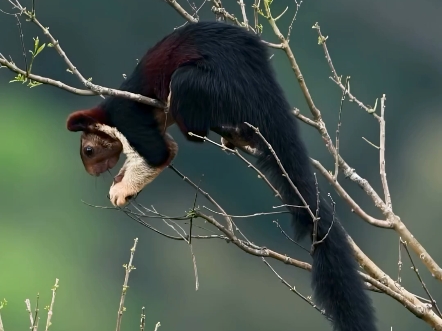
{"x":249,"y":164}
{"x":244,"y":14}
{"x":316,"y":218}
{"x":289,"y":238}
{"x":183,"y":235}
{"x":393,"y":289}
{"x":294,"y":290}
{"x":383,"y":173}
{"x":315,"y":111}
{"x":286,"y":175}
{"x":355,"y":208}
{"x":129,"y":267}
{"x":182,"y":11}
{"x":219,"y":11}
{"x":195,"y":268}
{"x":398,"y":296}
{"x":22,"y":44}
{"x":143,"y":319}
{"x":399,"y":262}
{"x":36,"y":317}
{"x":51,"y":306}
{"x":137,"y":218}
{"x":253,"y":249}
{"x":100,"y":90}
{"x":335,"y":77}
{"x":332,"y":222}
{"x":250,"y":215}
{"x":298,"y":5}
{"x":29,"y":310}
{"x":256,"y":5}
{"x":338,"y":130}
{"x":150,"y":227}
{"x":193,"y":208}
{"x":416,"y":270}
{"x":206,"y":195}
{"x":368,"y":141}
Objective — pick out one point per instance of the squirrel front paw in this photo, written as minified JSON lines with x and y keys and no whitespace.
{"x":120,"y":193}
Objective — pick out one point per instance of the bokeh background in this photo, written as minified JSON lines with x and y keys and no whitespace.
{"x":46,"y":232}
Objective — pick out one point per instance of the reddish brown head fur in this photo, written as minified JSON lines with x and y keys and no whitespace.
{"x":81,"y":120}
{"x":99,"y":152}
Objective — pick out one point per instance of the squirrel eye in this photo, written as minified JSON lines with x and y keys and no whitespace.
{"x":88,"y":151}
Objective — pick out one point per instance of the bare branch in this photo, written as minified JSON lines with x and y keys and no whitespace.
{"x":336,"y":78}
{"x":289,"y":238}
{"x":283,"y":170}
{"x":218,"y":10}
{"x":129,"y":267}
{"x":206,"y":195}
{"x":244,"y":15}
{"x":251,"y":215}
{"x":143,"y":319}
{"x":235,"y":152}
{"x":409,"y":300}
{"x":315,"y":111}
{"x":255,"y":250}
{"x":97,"y":89}
{"x":294,"y":290}
{"x":298,"y":5}
{"x":416,"y":270}
{"x":138,"y":219}
{"x":256,"y":5}
{"x":338,"y":130}
{"x":36,"y":317}
{"x":51,"y":306}
{"x":102,"y":90}
{"x":305,"y":119}
{"x":347,"y":198}
{"x":181,"y":11}
{"x":29,"y":310}
{"x":351,"y":174}
{"x":22,"y":43}
{"x":382,"y":154}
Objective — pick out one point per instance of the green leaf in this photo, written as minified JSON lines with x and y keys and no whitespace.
{"x":40,"y":49}
{"x":36,"y":42}
{"x":33,"y":83}
{"x":3,"y":303}
{"x":19,"y":78}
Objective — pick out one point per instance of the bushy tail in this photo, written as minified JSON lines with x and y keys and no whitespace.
{"x":338,"y":288}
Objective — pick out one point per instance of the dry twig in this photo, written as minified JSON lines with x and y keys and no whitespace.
{"x":51,"y":306}
{"x":128,"y":267}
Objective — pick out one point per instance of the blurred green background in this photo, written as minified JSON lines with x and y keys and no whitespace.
{"x":46,"y":232}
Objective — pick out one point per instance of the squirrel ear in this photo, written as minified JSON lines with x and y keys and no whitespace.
{"x":80,"y":120}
